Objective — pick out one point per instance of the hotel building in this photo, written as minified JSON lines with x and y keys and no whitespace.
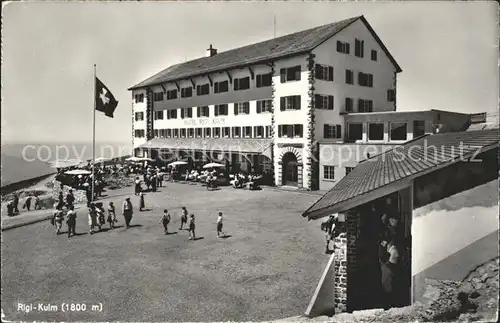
{"x":270,"y":106}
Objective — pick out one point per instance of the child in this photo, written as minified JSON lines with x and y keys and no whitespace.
{"x":92,"y":218}
{"x":219,"y":226}
{"x":71,"y":220}
{"x":184,"y":217}
{"x":111,"y":215}
{"x":192,"y":236}
{"x":58,"y":219}
{"x":165,"y":220}
{"x":101,"y":216}
{"x":142,"y":205}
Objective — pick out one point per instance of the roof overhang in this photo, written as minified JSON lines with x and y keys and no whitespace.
{"x":386,"y":189}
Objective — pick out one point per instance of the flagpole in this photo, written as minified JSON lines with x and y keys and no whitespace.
{"x":93,"y":137}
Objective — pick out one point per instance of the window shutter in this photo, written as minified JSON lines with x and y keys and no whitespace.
{"x":330,"y":102}
{"x":339,"y":131}
{"x":339,"y":46}
{"x":198,"y":112}
{"x":282,"y":103}
{"x":283,"y":75}
{"x":235,"y":109}
{"x":317,"y":101}
{"x":360,"y":78}
{"x":370,"y":106}
{"x":347,"y":48}
{"x":247,"y":107}
{"x":325,"y":131}
{"x":182,"y":113}
{"x":360,"y":106}
{"x":297,"y":73}
{"x":280,"y":131}
{"x":370,"y":80}
{"x":190,"y":112}
{"x":216,"y":113}
{"x":318,"y":71}
{"x":330,"y":73}
{"x":236,"y":84}
{"x":362,"y":48}
{"x":297,"y":102}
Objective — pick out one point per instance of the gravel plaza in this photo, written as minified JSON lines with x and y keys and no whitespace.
{"x":267,"y":268}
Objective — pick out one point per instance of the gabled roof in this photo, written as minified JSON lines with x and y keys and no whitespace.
{"x":413,"y":159}
{"x":266,"y":51}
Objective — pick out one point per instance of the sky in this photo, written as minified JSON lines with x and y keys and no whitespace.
{"x":448,"y":52}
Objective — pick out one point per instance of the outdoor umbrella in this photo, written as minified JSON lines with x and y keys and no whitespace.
{"x":213,"y":165}
{"x":101,"y":159}
{"x":178,"y":163}
{"x":78,"y":172}
{"x":133,"y":159}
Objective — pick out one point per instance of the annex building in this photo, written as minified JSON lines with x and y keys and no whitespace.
{"x":269,"y":107}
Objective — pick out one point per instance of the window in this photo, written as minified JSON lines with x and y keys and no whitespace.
{"x":348,"y":104}
{"x":348,"y":170}
{"x":186,"y":92}
{"x":329,"y":172}
{"x":264,"y":80}
{"x":264,"y":106}
{"x":172,"y":114}
{"x":186,"y":113}
{"x":199,"y":132}
{"x":349,"y":77}
{"x":374,"y":55}
{"x":332,"y":131}
{"x":171,"y":94}
{"x":221,"y":110}
{"x":391,"y":95}
{"x":220,"y":87}
{"x":290,"y":102}
{"x":343,"y":47}
{"x":139,"y":133}
{"x":242,"y":84}
{"x":190,"y":132}
{"x":375,"y":131}
{"x":268,"y":131}
{"x":208,"y":132}
{"x":290,"y":131}
{"x":323,"y":72}
{"x":355,"y":131}
{"x":290,"y":74}
{"x":418,"y":128}
{"x":168,"y":133}
{"x":202,"y":89}
{"x":226,"y":132}
{"x":139,"y":98}
{"x":183,"y":133}
{"x":398,"y":131}
{"x":162,"y":133}
{"x":216,"y":132}
{"x":176,"y":133}
{"x":359,"y":48}
{"x":139,"y":116}
{"x":323,"y":101}
{"x":365,"y":79}
{"x":158,"y":96}
{"x":259,"y":131}
{"x":155,"y":133}
{"x":247,"y":132}
{"x":158,"y":115}
{"x":365,"y":105}
{"x":241,"y":108}
{"x":236,"y":132}
{"x":202,"y":111}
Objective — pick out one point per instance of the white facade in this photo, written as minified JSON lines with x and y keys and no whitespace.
{"x":309,"y":116}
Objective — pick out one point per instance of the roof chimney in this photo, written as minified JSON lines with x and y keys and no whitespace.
{"x":211,"y":51}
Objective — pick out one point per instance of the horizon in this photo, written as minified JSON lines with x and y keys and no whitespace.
{"x":447,"y":64}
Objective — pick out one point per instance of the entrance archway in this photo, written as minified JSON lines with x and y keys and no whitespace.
{"x":290,"y":173}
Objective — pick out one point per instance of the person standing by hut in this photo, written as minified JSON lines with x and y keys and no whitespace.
{"x":27,"y":203}
{"x":391,"y":282}
{"x":16,"y":204}
{"x":127,"y":211}
{"x":71,"y":221}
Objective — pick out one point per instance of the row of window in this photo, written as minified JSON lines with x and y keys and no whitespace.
{"x":397,"y":130}
{"x":216,"y":132}
{"x":359,"y":49}
{"x":329,"y":172}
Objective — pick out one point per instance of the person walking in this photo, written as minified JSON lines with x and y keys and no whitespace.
{"x":160,"y":179}
{"x":27,"y":203}
{"x":137,"y":186}
{"x":142,"y":204}
{"x":165,"y":220}
{"x":92,"y":218}
{"x":184,"y":217}
{"x":127,"y":211}
{"x":58,"y":219}
{"x":70,"y":198}
{"x":71,"y":221}
{"x":220,"y":234}
{"x":192,"y":235}
{"x":111,"y":215}
{"x":100,"y":215}
{"x":88,"y":193}
{"x":60,"y":200}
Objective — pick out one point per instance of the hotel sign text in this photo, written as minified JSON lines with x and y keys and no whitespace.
{"x":205,"y":122}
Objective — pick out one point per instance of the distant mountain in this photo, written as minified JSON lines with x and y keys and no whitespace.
{"x":16,"y":169}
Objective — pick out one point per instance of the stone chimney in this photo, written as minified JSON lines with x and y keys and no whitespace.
{"x":211,"y":51}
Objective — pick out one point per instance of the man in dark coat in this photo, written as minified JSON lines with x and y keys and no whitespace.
{"x":70,"y":198}
{"x":60,"y":202}
{"x":16,"y":203}
{"x":127,"y":211}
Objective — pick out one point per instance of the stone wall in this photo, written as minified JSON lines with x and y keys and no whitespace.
{"x":80,"y":195}
{"x":345,"y":260}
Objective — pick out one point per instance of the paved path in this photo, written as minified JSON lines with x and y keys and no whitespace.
{"x":267,"y":269}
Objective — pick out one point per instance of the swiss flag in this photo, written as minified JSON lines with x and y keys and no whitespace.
{"x":104,"y":99}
